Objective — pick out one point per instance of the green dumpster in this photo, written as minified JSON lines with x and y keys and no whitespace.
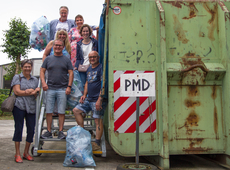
{"x":186,"y":45}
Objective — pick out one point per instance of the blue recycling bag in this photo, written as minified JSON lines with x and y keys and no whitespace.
{"x":76,"y":91}
{"x":40,"y":33}
{"x":78,"y":148}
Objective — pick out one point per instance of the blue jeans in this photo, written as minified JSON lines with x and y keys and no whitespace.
{"x":91,"y":106}
{"x":83,"y":78}
{"x":19,"y":116}
{"x":59,"y":96}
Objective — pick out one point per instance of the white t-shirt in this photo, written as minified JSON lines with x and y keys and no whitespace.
{"x":62,"y":25}
{"x":86,"y":48}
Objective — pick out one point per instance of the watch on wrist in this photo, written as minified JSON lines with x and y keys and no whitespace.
{"x":70,"y":86}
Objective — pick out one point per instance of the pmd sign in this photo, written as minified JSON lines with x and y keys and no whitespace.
{"x":137,"y":85}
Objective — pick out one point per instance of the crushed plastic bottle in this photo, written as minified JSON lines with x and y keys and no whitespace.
{"x":78,"y":148}
{"x":40,"y":33}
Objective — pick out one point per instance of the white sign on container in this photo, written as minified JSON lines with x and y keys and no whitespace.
{"x":137,"y":85}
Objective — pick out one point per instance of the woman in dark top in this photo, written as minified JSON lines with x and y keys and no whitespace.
{"x":25,"y":87}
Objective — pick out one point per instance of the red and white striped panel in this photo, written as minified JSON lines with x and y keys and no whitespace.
{"x":125,"y":109}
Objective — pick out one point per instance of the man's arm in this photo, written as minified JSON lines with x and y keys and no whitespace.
{"x":68,"y":89}
{"x":85,"y":93}
{"x":99,"y":102}
{"x":42,"y":77}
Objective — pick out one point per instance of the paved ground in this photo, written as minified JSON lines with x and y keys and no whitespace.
{"x":54,"y":161}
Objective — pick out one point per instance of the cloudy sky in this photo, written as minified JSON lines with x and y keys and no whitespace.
{"x":29,"y":11}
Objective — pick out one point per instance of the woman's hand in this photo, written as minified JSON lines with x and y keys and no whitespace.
{"x":29,"y":91}
{"x":37,"y":90}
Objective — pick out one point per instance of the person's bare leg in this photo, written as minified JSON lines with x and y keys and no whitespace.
{"x":49,"y":119}
{"x":17,"y":148}
{"x":61,"y":121}
{"x":27,"y":147}
{"x":78,"y":116}
{"x":99,"y":128}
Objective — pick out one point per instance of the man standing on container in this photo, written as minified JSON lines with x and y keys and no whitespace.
{"x":93,"y":102}
{"x":57,"y":87}
{"x":61,"y":23}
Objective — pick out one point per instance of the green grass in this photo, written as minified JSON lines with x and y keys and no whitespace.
{"x":6,"y":116}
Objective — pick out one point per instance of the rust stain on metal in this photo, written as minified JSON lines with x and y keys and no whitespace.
{"x":190,"y":59}
{"x":168,"y":89}
{"x":175,"y":3}
{"x":116,"y":133}
{"x":192,"y":149}
{"x":194,"y":146}
{"x":193,"y":119}
{"x":192,"y":14}
{"x":213,"y":21}
{"x":165,"y":136}
{"x":178,"y":29}
{"x":172,"y":51}
{"x":215,"y":120}
{"x":190,"y":103}
{"x":201,"y":66}
{"x":193,"y":11}
{"x":152,"y":138}
{"x":199,"y":140}
{"x":201,"y":34}
{"x":223,"y":7}
{"x":194,"y":70}
{"x":193,"y":91}
{"x":214,"y":95}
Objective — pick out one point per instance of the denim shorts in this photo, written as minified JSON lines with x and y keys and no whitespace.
{"x":59,"y":96}
{"x":91,"y":106}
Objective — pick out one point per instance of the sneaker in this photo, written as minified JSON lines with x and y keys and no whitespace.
{"x":61,"y":135}
{"x":96,"y":147}
{"x":47,"y":135}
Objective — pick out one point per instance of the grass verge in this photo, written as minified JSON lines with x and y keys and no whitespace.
{"x":6,"y":116}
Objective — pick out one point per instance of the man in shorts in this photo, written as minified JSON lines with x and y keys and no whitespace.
{"x":91,"y":99}
{"x":57,"y":87}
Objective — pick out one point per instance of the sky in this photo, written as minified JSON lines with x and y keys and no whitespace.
{"x":29,"y":11}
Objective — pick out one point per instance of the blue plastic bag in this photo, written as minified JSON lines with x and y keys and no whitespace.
{"x":40,"y":34}
{"x":78,"y":148}
{"x":76,"y":91}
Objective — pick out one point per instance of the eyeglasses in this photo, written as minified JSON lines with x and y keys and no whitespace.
{"x":56,"y":45}
{"x":93,"y":57}
{"x":26,"y":66}
{"x":61,"y":29}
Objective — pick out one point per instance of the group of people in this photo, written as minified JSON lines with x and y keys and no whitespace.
{"x":72,"y":47}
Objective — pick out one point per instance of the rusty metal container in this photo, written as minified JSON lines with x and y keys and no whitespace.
{"x":186,"y":44}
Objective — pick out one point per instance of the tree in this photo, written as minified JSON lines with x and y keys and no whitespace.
{"x":16,"y":44}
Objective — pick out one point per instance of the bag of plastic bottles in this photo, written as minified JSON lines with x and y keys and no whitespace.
{"x":78,"y":148}
{"x":40,"y":33}
{"x":76,"y":91}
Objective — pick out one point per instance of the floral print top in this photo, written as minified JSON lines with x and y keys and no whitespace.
{"x":74,"y":37}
